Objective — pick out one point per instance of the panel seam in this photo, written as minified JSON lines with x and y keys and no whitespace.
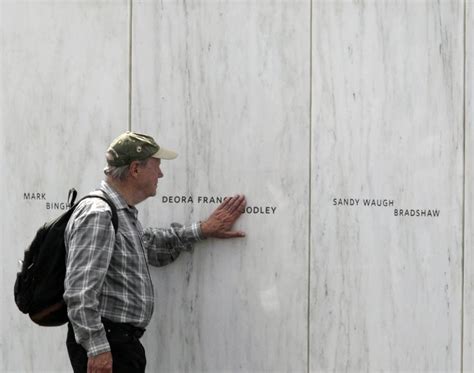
{"x":308,"y":352}
{"x":463,"y":232}
{"x":130,"y":29}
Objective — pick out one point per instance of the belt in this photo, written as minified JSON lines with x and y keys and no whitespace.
{"x":122,"y":329}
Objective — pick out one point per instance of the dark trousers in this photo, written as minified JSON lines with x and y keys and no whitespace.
{"x":128,"y":354}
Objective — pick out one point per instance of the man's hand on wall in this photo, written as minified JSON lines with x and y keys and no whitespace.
{"x":220,"y":223}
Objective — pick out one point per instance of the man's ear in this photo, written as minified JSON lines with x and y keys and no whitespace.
{"x":133,"y":169}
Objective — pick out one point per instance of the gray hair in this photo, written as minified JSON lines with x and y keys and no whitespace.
{"x":121,"y":172}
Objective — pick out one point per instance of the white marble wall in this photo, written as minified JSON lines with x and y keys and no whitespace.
{"x":230,"y":85}
{"x":387,"y":124}
{"x":468,"y":342}
{"x":226,"y":83}
{"x":64,"y":95}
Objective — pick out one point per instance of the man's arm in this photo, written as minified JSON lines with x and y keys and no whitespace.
{"x":90,"y":239}
{"x":164,"y":245}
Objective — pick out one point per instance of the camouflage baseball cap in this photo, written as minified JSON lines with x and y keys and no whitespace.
{"x":131,"y":146}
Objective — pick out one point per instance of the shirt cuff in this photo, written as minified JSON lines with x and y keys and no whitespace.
{"x":197,"y":231}
{"x":98,"y":345}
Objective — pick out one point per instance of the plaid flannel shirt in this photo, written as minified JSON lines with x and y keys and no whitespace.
{"x":107,"y":272}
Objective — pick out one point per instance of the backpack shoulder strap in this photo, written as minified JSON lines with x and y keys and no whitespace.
{"x":71,"y":197}
{"x":104,"y":198}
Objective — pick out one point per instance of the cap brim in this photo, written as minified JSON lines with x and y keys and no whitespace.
{"x":165,"y":154}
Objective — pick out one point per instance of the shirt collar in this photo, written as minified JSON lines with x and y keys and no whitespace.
{"x":116,"y":198}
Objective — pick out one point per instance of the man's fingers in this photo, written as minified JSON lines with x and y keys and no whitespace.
{"x":241,"y":207}
{"x":235,"y":203}
{"x":232,"y":203}
{"x":224,"y":204}
{"x":234,"y":234}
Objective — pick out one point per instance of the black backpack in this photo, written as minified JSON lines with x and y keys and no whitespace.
{"x":39,"y":286}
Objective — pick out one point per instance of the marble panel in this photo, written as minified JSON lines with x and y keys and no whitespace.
{"x":226,"y":84}
{"x":63,"y":97}
{"x":468,"y":342}
{"x":387,"y":126}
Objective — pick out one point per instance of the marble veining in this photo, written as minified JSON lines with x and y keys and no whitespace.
{"x":387,"y":124}
{"x":63,"y":98}
{"x":226,"y":84}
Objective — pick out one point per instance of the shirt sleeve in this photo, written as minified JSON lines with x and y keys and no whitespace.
{"x":163,"y":245}
{"x":89,"y":238}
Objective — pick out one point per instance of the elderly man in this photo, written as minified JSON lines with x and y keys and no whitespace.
{"x":108,"y":288}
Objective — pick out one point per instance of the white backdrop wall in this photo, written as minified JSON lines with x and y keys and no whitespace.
{"x":301,"y":105}
{"x":64,"y":96}
{"x":227,"y":95}
{"x":388,"y":126}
